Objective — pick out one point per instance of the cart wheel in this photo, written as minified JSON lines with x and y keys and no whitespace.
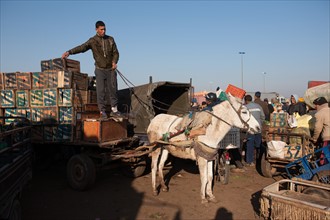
{"x":134,"y":169}
{"x":223,"y":170}
{"x":16,"y":211}
{"x":317,"y":192}
{"x":81,"y":172}
{"x":322,"y":177}
{"x":266,"y":167}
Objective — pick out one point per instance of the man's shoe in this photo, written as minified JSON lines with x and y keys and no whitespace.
{"x":103,"y":115}
{"x":250,"y":164}
{"x":116,"y":114}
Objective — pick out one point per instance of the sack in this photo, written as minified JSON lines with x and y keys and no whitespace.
{"x":276,"y":149}
{"x":292,"y":121}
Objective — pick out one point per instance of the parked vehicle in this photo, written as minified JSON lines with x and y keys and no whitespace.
{"x":295,"y":199}
{"x":314,"y":166}
{"x":15,"y":166}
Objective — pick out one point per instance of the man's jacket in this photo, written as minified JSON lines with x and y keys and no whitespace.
{"x":104,"y":49}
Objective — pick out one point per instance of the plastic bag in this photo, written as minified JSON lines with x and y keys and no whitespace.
{"x":292,"y":121}
{"x":276,"y":149}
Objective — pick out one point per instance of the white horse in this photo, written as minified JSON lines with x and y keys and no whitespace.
{"x":203,"y":148}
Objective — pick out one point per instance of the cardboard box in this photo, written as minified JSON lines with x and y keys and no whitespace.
{"x":103,"y":130}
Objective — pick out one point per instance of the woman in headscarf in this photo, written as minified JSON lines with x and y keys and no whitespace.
{"x":296,"y":107}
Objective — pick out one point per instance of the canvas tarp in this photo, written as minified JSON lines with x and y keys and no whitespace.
{"x":146,"y":101}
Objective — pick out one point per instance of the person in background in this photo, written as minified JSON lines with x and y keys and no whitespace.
{"x":322,"y":121}
{"x":106,"y":57}
{"x":270,"y":106}
{"x":285,"y":106}
{"x":296,"y":107}
{"x":263,"y":105}
{"x":211,"y":100}
{"x":253,"y":140}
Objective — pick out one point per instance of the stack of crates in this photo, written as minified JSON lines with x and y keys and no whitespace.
{"x":50,"y":99}
{"x":279,"y":130}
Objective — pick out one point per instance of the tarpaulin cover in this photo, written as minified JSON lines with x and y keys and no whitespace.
{"x":146,"y":101}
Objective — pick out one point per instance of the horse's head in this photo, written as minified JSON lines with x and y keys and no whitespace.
{"x":245,"y":119}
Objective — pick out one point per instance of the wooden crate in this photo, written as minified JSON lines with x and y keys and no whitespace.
{"x":36,"y":115}
{"x":24,"y":112}
{"x":22,"y":98}
{"x":92,"y":96}
{"x":50,"y":115}
{"x":80,"y":81}
{"x":60,"y":64}
{"x":64,"y":79}
{"x":24,"y":80}
{"x":7,"y":98}
{"x":279,"y":119}
{"x":103,"y":130}
{"x":49,"y":134}
{"x":1,"y":81}
{"x":66,"y":115}
{"x":10,"y":80}
{"x":38,"y":80}
{"x":51,"y":78}
{"x":64,"y":133}
{"x":10,"y":112}
{"x":80,"y":98}
{"x":93,"y":107}
{"x":36,"y":97}
{"x":50,"y":97}
{"x":235,"y":91}
{"x":65,"y":97}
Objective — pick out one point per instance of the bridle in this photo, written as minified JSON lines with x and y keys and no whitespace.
{"x":245,"y":123}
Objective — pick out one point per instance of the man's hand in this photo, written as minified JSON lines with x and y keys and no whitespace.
{"x":65,"y":55}
{"x":114,"y":66}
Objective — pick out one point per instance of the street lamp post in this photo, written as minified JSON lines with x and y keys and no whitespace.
{"x":264,"y":81}
{"x":242,"y":53}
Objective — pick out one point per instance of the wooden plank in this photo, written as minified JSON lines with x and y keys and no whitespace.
{"x":2,"y":81}
{"x":64,"y":79}
{"x":80,"y":98}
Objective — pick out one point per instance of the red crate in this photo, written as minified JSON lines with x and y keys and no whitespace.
{"x":235,"y":91}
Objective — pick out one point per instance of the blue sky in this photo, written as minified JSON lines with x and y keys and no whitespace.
{"x":179,"y":40}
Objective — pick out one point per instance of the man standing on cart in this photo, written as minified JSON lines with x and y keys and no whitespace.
{"x":106,"y":57}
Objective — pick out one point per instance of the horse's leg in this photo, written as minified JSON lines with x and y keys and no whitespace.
{"x":202,"y":166}
{"x":161,"y":165}
{"x":154,"y":165}
{"x":209,"y":192}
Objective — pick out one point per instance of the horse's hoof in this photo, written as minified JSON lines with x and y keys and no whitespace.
{"x":165,"y":189}
{"x":213,"y":200}
{"x":155,"y":193}
{"x":205,"y":201}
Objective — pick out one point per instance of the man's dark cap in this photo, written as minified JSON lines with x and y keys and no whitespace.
{"x":258,"y":94}
{"x":320,"y":101}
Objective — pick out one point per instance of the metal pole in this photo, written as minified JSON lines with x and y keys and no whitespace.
{"x":264,"y":81}
{"x":242,"y":79}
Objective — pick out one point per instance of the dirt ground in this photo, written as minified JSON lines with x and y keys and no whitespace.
{"x":115,"y":196}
